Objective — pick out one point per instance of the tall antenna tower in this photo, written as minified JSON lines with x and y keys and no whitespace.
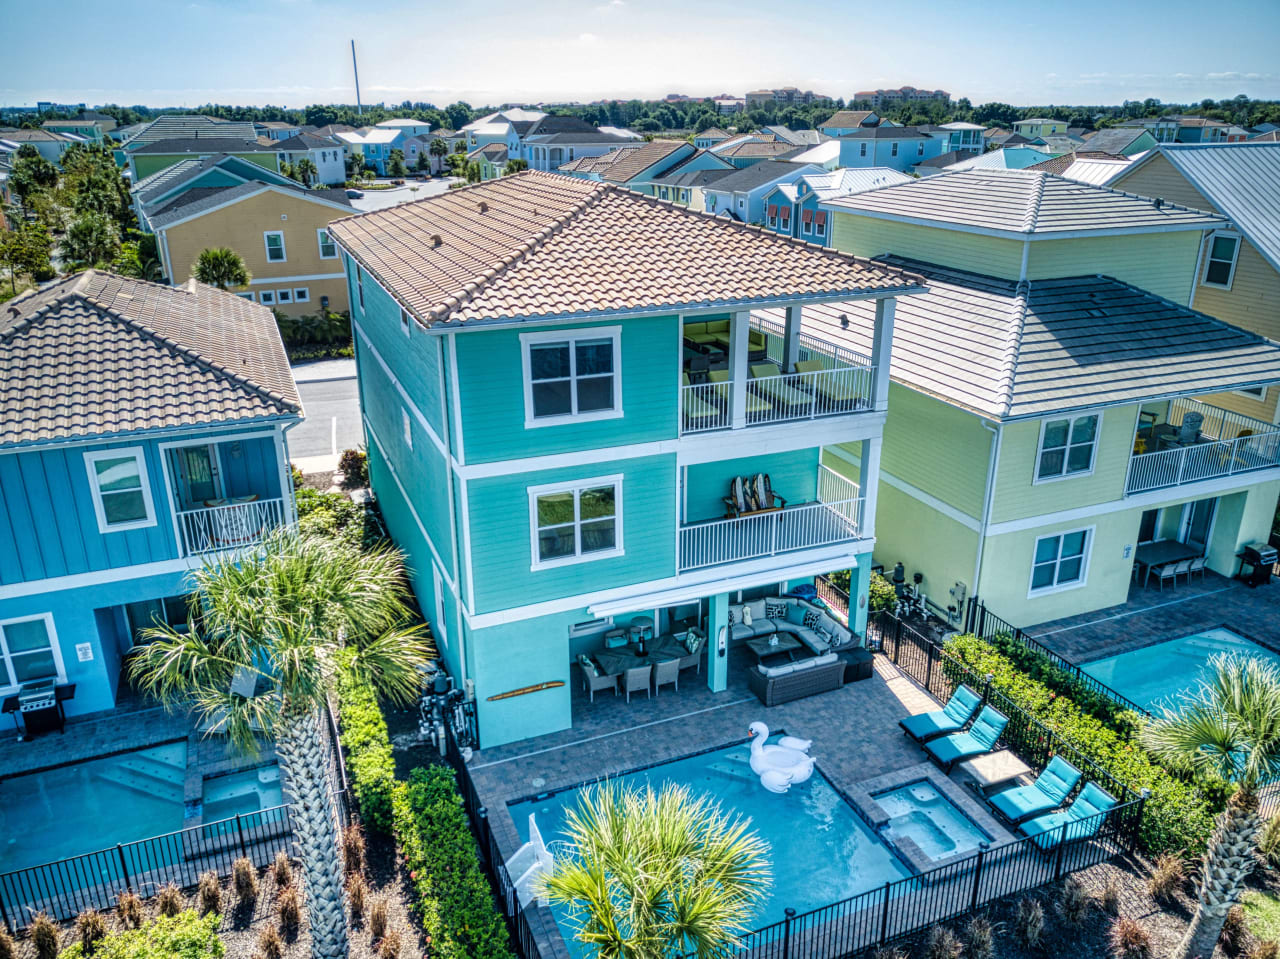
{"x":356,"y":69}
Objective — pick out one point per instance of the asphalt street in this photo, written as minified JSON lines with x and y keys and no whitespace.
{"x":412,"y":190}
{"x":332,"y":423}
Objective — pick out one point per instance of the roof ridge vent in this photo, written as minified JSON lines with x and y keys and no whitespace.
{"x":1012,"y":346}
{"x":1032,"y":214}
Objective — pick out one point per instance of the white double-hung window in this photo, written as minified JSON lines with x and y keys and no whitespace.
{"x":572,"y":375}
{"x":576,"y":522}
{"x":1067,"y":447}
{"x":1220,"y":259}
{"x":274,"y":240}
{"x":1060,"y":561}
{"x":121,"y":492}
{"x":28,"y":651}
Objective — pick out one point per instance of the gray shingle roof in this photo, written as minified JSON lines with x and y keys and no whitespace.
{"x":1240,"y":179}
{"x":303,"y":141}
{"x":757,"y":175}
{"x":188,"y":127}
{"x":98,"y":354}
{"x":200,"y":199}
{"x":204,"y":145}
{"x":1021,"y":204}
{"x":1007,"y":350}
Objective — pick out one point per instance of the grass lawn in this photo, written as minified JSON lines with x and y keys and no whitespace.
{"x":1262,"y":911}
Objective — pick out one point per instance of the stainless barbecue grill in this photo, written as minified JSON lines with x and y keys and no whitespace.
{"x":1260,"y":558}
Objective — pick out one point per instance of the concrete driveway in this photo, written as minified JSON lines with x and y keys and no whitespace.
{"x":412,"y":190}
{"x":332,"y":405}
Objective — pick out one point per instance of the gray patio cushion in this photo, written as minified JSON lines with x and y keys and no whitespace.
{"x":757,"y":610}
{"x":804,"y":664}
{"x":775,"y":671}
{"x":825,"y":658}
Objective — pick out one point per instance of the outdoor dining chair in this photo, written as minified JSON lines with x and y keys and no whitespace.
{"x":593,"y":679}
{"x":665,"y":673}
{"x":635,"y":679}
{"x":1197,"y":566}
{"x":1167,"y":571}
{"x":1181,"y":568}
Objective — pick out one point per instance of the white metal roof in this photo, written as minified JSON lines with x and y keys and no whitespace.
{"x":1240,"y":179}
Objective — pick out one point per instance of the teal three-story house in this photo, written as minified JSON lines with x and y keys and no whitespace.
{"x":142,"y":430}
{"x":561,"y":381}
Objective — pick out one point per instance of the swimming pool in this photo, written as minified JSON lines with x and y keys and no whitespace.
{"x":920,"y":813}
{"x":1155,"y":674}
{"x":821,"y":850}
{"x":83,"y":807}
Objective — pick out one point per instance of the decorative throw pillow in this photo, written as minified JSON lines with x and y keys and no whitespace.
{"x":812,"y":619}
{"x":746,"y":614}
{"x":795,"y":614}
{"x":587,"y":664}
{"x":732,"y":618}
{"x":693,"y":642}
{"x":775,"y":609}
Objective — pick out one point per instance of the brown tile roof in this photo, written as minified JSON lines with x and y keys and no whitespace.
{"x":539,"y":244}
{"x":846,"y":119}
{"x":756,"y":148}
{"x":98,"y":354}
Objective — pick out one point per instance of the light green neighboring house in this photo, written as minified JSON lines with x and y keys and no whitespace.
{"x":1040,"y":387}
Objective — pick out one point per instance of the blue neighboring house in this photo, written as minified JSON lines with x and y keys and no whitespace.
{"x":791,"y":208}
{"x":741,"y":194}
{"x":142,"y":430}
{"x":530,"y":354}
{"x":899,"y":148}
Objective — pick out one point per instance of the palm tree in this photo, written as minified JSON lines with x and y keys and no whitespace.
{"x":1228,"y":726}
{"x":222,"y":267}
{"x":274,"y":619}
{"x":305,"y":169}
{"x":438,"y":149}
{"x":657,"y":874}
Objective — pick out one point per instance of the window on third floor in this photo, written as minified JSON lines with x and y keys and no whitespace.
{"x":1067,"y":447}
{"x":576,"y":522}
{"x":274,"y":241}
{"x":572,"y":375}
{"x":1220,"y":259}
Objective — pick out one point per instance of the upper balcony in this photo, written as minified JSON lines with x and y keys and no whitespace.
{"x":1187,"y":441}
{"x":778,"y":375}
{"x":227,"y":495}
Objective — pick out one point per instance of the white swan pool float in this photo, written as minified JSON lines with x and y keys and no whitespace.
{"x":781,"y":764}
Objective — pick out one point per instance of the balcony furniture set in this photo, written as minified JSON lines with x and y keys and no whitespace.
{"x":795,"y":643}
{"x":1039,"y":810}
{"x":712,"y":337}
{"x":752,"y":495}
{"x":627,"y":666}
{"x":1166,"y":560}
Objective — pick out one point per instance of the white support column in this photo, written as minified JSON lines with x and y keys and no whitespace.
{"x":869,"y":483}
{"x":791,"y":344}
{"x":881,"y":346}
{"x":739,"y":328}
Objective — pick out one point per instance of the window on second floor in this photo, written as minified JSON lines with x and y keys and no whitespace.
{"x":1067,"y":447}
{"x":576,"y":522}
{"x":1060,"y":561}
{"x":121,"y":492}
{"x":572,"y":375}
{"x":893,"y":149}
{"x":328,"y":249}
{"x":274,"y":241}
{"x":1220,"y":259}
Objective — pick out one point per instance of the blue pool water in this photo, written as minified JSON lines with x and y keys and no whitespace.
{"x":919,"y":812}
{"x":92,"y":805}
{"x":1157,"y":674}
{"x":241,"y":793}
{"x":821,"y":850}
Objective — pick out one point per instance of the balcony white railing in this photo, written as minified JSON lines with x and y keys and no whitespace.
{"x":232,"y":526}
{"x":1190,"y":464}
{"x":778,"y":399}
{"x":706,"y":406}
{"x":835,"y":518}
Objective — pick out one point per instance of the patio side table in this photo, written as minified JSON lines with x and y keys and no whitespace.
{"x":994,"y":769}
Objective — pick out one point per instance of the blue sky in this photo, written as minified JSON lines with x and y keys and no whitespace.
{"x":294,"y":52}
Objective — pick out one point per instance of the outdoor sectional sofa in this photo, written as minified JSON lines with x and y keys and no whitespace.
{"x":815,"y":667}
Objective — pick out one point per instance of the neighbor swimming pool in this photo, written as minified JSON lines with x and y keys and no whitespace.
{"x":1155,"y":674}
{"x":920,"y":813}
{"x":821,"y":850}
{"x":82,"y":807}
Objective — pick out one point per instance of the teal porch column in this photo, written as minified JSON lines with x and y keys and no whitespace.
{"x":859,"y":587}
{"x":718,"y":637}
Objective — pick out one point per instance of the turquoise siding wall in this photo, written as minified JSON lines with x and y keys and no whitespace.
{"x":491,"y":384}
{"x":501,"y":550}
{"x":250,"y":466}
{"x":794,"y":476}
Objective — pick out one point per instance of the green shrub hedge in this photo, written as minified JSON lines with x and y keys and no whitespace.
{"x":882,"y":595}
{"x":184,"y":936}
{"x":371,"y":767}
{"x":453,"y":900}
{"x":1178,"y":815}
{"x":334,"y":515}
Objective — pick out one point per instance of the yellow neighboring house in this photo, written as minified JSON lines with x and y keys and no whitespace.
{"x":281,"y":233}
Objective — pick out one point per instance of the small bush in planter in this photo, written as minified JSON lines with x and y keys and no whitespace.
{"x":1266,"y":949}
{"x":244,"y":879}
{"x":1166,"y":877}
{"x":980,"y":938}
{"x":44,"y":937}
{"x":289,"y":908}
{"x":7,"y":948}
{"x":1028,"y":922}
{"x":169,"y":901}
{"x":282,"y":870}
{"x":353,"y":849}
{"x":354,"y":466}
{"x":1129,"y":940}
{"x":91,"y":929}
{"x":129,"y":910}
{"x":378,"y":917}
{"x":389,"y":947}
{"x":942,"y":944}
{"x":184,"y":936}
{"x":270,"y":943}
{"x":357,"y":894}
{"x":209,"y":893}
{"x":1073,"y":901}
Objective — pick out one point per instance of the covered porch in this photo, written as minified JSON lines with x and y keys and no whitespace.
{"x":227,"y":494}
{"x":1184,"y":441}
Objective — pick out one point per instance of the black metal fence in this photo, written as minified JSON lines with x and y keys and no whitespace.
{"x":95,"y":880}
{"x":521,"y":932}
{"x":831,"y":594}
{"x":987,"y":625}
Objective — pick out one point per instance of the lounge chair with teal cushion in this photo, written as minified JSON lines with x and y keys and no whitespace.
{"x":980,"y":738}
{"x":1049,"y":791}
{"x":964,"y":702}
{"x":1078,"y":821}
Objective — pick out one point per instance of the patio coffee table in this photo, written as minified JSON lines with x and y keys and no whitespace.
{"x":994,"y":769}
{"x":762,"y":647}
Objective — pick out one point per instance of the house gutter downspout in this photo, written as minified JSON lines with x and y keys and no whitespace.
{"x":993,"y":460}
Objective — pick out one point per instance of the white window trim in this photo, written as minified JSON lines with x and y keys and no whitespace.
{"x":266,"y":246}
{"x":554,"y":336}
{"x":1036,"y":479}
{"x":1257,"y":393}
{"x":262,"y":297}
{"x":576,"y":487}
{"x":139,"y":456}
{"x":302,"y":294}
{"x":1235,"y":258}
{"x":285,"y":295}
{"x":7,"y":658}
{"x":320,"y":235}
{"x":1088,"y":531}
